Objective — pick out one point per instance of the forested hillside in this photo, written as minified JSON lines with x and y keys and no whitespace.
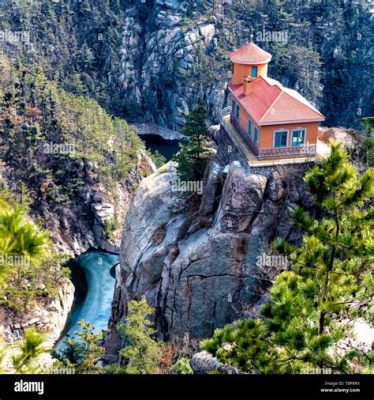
{"x":63,"y":154}
{"x":152,"y":60}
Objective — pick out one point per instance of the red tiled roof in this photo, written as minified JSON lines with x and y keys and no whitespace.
{"x":270,"y":103}
{"x":250,"y":54}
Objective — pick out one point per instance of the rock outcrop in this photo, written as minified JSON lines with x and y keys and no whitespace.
{"x":49,"y":316}
{"x":198,"y":260}
{"x":164,"y":64}
{"x":205,"y":363}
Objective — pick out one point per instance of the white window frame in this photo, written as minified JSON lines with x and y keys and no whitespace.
{"x":305,"y":136}
{"x":274,"y":134}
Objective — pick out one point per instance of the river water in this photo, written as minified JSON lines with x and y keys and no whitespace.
{"x":168,"y":148}
{"x":93,"y":278}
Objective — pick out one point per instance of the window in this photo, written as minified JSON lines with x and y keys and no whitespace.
{"x":249,"y":128}
{"x":298,"y":137}
{"x":256,"y":135}
{"x":280,"y":138}
{"x":254,"y":72}
{"x":235,"y":110}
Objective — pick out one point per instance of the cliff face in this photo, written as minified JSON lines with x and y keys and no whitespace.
{"x":198,"y":261}
{"x":48,"y":316}
{"x":164,"y":59}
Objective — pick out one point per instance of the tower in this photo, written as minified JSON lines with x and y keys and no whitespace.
{"x":249,"y":61}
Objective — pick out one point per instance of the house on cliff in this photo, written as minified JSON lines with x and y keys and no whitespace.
{"x":268,"y":122}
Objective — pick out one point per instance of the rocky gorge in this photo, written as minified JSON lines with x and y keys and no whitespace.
{"x":75,"y":228}
{"x":149,"y":61}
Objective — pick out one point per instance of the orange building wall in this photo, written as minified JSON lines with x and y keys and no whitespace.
{"x":267,"y":133}
{"x":241,"y":70}
{"x":263,"y":70}
{"x":244,"y":118}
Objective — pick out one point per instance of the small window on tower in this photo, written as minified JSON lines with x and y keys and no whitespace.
{"x":254,"y":72}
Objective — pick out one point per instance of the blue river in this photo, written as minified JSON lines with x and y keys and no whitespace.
{"x":93,"y":278}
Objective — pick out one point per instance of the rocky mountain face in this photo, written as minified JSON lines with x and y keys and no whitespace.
{"x":48,"y":316}
{"x":149,"y":61}
{"x":164,"y":54}
{"x":198,"y":260}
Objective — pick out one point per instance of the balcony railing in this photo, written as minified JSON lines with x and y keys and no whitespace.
{"x":308,"y":150}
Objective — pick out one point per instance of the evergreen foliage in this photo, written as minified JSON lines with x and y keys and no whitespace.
{"x":157,"y":158}
{"x":141,"y":352}
{"x":37,"y":114}
{"x":194,"y":152}
{"x":82,"y":352}
{"x":29,"y":352}
{"x":182,"y":366}
{"x":28,"y":264}
{"x":313,"y":306}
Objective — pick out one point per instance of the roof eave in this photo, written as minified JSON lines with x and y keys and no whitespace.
{"x":250,"y":62}
{"x":291,"y":121}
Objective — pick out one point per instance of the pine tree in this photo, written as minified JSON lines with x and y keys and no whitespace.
{"x":194,"y":151}
{"x":29,"y":352}
{"x":330,"y":285}
{"x":141,"y":352}
{"x":83,"y":352}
